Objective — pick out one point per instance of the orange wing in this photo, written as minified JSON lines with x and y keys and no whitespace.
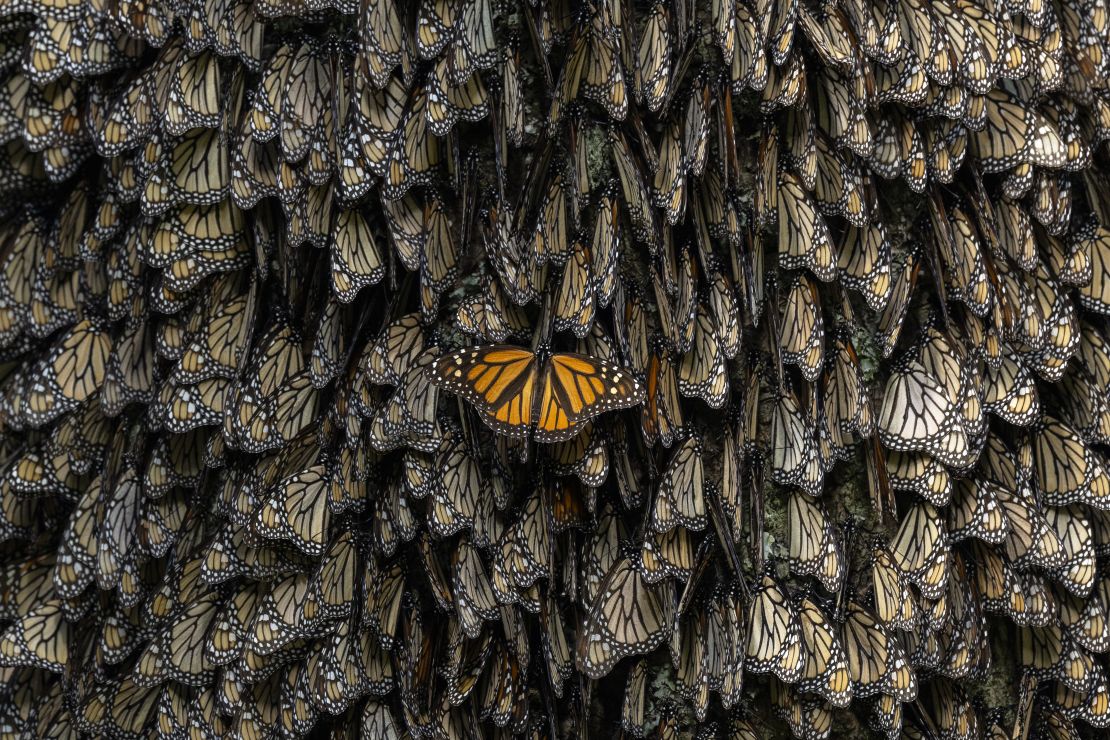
{"x":576,"y":388}
{"x":498,"y":379}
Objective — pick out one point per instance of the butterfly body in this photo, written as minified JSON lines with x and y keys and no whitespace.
{"x":520,"y":391}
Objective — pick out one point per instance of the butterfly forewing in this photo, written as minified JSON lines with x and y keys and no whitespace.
{"x":498,"y":379}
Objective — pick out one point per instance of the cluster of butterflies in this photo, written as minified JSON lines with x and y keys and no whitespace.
{"x":483,"y":368}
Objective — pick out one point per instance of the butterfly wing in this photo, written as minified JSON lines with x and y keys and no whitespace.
{"x":498,"y":379}
{"x":575,"y":388}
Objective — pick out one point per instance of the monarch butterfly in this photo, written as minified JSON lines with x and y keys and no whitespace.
{"x":525,"y":547}
{"x":703,"y":372}
{"x":806,"y":715}
{"x":976,"y":512}
{"x":576,"y":300}
{"x":720,"y":648}
{"x":679,"y":323}
{"x":193,"y":95}
{"x":383,"y":41}
{"x":474,"y":599}
{"x":847,"y":403}
{"x":680,"y":499}
{"x":414,"y":152}
{"x":1090,"y":707}
{"x":551,"y":238}
{"x":828,"y":32}
{"x":669,"y":185}
{"x":594,"y":65}
{"x":298,"y":511}
{"x":454,"y":503}
{"x":329,"y":347}
{"x":182,"y":658}
{"x":918,"y":413}
{"x":1095,"y":294}
{"x":383,"y":597}
{"x":491,"y":316}
{"x":774,"y":643}
{"x":826,"y":665}
{"x":895,"y":603}
{"x":802,"y":333}
{"x":724,"y":309}
{"x":1066,"y":469}
{"x":584,"y":455}
{"x":1084,"y":620}
{"x":600,"y":551}
{"x":395,"y":520}
{"x":636,"y":197}
{"x":1077,"y":574}
{"x":749,"y":67}
{"x":1010,"y":392}
{"x":634,"y":705}
{"x":475,"y":43}
{"x":973,"y":40}
{"x":560,"y":664}
{"x":1016,"y":132}
{"x":1074,"y":266}
{"x":626,"y":618}
{"x":876,"y":662}
{"x":73,"y":370}
{"x":785,"y":85}
{"x":804,"y":240}
{"x":813,"y":547}
{"x":653,"y":57}
{"x":1030,"y":539}
{"x":339,"y":577}
{"x":839,"y":107}
{"x":920,"y":549}
{"x":696,"y":131}
{"x":1047,"y":651}
{"x":799,"y":145}
{"x":130,"y":375}
{"x":690,"y":674}
{"x":795,"y":460}
{"x":466,"y":660}
{"x":903,"y":82}
{"x":450,"y":102}
{"x":839,"y":187}
{"x":408,"y":415}
{"x":961,"y":251}
{"x":503,"y":380}
{"x":603,"y":80}
{"x":40,"y":638}
{"x":900,"y":151}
